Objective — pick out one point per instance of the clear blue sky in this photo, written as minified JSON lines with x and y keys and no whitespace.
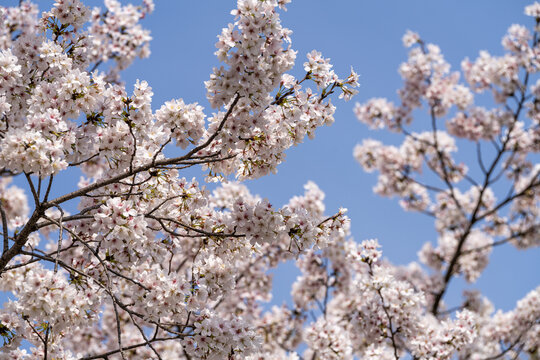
{"x":365,"y":35}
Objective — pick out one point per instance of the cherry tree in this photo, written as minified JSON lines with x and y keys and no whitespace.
{"x":152,"y":265}
{"x":476,"y":206}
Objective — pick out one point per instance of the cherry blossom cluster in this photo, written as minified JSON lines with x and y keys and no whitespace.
{"x":327,"y":340}
{"x":185,"y":121}
{"x":20,"y":20}
{"x":39,"y":146}
{"x":47,"y":303}
{"x":373,"y":311}
{"x":14,"y":203}
{"x":117,"y":34}
{"x":263,"y":124}
{"x":212,"y":338}
{"x":515,"y":330}
{"x":68,"y":13}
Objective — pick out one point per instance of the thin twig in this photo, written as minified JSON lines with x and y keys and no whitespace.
{"x":32,"y":189}
{"x":49,"y":185}
{"x":4,"y":227}
{"x":60,"y":236}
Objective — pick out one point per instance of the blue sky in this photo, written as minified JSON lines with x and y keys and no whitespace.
{"x":367,"y":36}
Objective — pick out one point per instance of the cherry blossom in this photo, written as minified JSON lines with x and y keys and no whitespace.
{"x":150,"y":264}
